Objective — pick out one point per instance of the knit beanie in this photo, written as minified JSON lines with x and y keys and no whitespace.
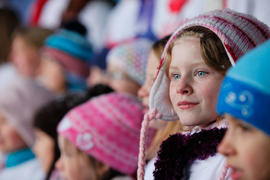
{"x":73,"y":51}
{"x":238,"y":32}
{"x":18,"y":104}
{"x":132,"y":57}
{"x":48,"y":116}
{"x":108,"y":128}
{"x":245,"y":91}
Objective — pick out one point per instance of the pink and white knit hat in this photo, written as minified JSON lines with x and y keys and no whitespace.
{"x":238,"y":32}
{"x":132,"y":58}
{"x":107,"y":127}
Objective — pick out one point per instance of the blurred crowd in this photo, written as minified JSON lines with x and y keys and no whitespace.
{"x":129,"y":89}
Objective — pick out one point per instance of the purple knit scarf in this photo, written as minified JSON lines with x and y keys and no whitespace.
{"x":179,"y":151}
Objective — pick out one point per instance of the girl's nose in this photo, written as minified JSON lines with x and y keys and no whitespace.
{"x":226,"y":146}
{"x":184,"y":87}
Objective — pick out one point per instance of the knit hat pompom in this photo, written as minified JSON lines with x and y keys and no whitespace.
{"x":132,"y":57}
{"x":238,"y":33}
{"x":108,"y":128}
{"x":245,"y":91}
{"x":19,"y":103}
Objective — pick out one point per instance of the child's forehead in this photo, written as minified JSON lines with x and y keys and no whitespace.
{"x":66,"y":145}
{"x":235,"y":121}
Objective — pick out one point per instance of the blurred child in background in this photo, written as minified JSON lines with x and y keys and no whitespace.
{"x":126,"y":65}
{"x":25,"y":50}
{"x":9,"y":21}
{"x":244,"y":100}
{"x":46,"y":120}
{"x":100,"y":138}
{"x":65,"y":59}
{"x":18,"y":103}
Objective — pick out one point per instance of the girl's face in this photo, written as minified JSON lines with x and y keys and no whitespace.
{"x":51,"y":74}
{"x":194,"y":85}
{"x":24,"y":57}
{"x":44,"y":149}
{"x":73,"y":165}
{"x":120,"y":81}
{"x":10,"y":140}
{"x":247,"y":150}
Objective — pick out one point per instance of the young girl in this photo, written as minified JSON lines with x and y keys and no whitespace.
{"x":126,"y":65}
{"x":245,"y":100}
{"x":100,"y":138}
{"x":194,"y":62}
{"x":18,"y":103}
{"x":46,"y":120}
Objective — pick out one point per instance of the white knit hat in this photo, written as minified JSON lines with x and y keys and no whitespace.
{"x":18,"y":103}
{"x":132,"y":58}
{"x":238,"y":32}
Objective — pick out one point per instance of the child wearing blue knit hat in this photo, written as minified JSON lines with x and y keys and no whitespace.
{"x":244,"y":100}
{"x":65,"y":60}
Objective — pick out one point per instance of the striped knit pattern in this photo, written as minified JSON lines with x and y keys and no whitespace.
{"x":238,"y":32}
{"x":70,"y":63}
{"x":132,"y":57}
{"x":108,"y":128}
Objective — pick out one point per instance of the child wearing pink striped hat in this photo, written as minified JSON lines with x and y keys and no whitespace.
{"x":100,"y":138}
{"x":193,"y":65}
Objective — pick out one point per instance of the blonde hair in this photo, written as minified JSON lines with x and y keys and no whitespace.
{"x":213,"y":51}
{"x":161,"y":135}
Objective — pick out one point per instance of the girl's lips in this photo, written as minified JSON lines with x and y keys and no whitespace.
{"x":236,"y":173}
{"x":184,"y":105}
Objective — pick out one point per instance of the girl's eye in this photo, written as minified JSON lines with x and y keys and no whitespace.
{"x":176,"y":76}
{"x":244,"y":127}
{"x":202,"y":73}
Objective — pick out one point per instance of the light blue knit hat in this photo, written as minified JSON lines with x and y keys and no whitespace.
{"x":72,"y":43}
{"x":245,"y":91}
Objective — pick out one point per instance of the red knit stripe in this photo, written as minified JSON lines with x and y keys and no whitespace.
{"x":239,"y":30}
{"x":260,"y":26}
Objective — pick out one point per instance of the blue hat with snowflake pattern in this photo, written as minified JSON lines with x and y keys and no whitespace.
{"x":245,"y":91}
